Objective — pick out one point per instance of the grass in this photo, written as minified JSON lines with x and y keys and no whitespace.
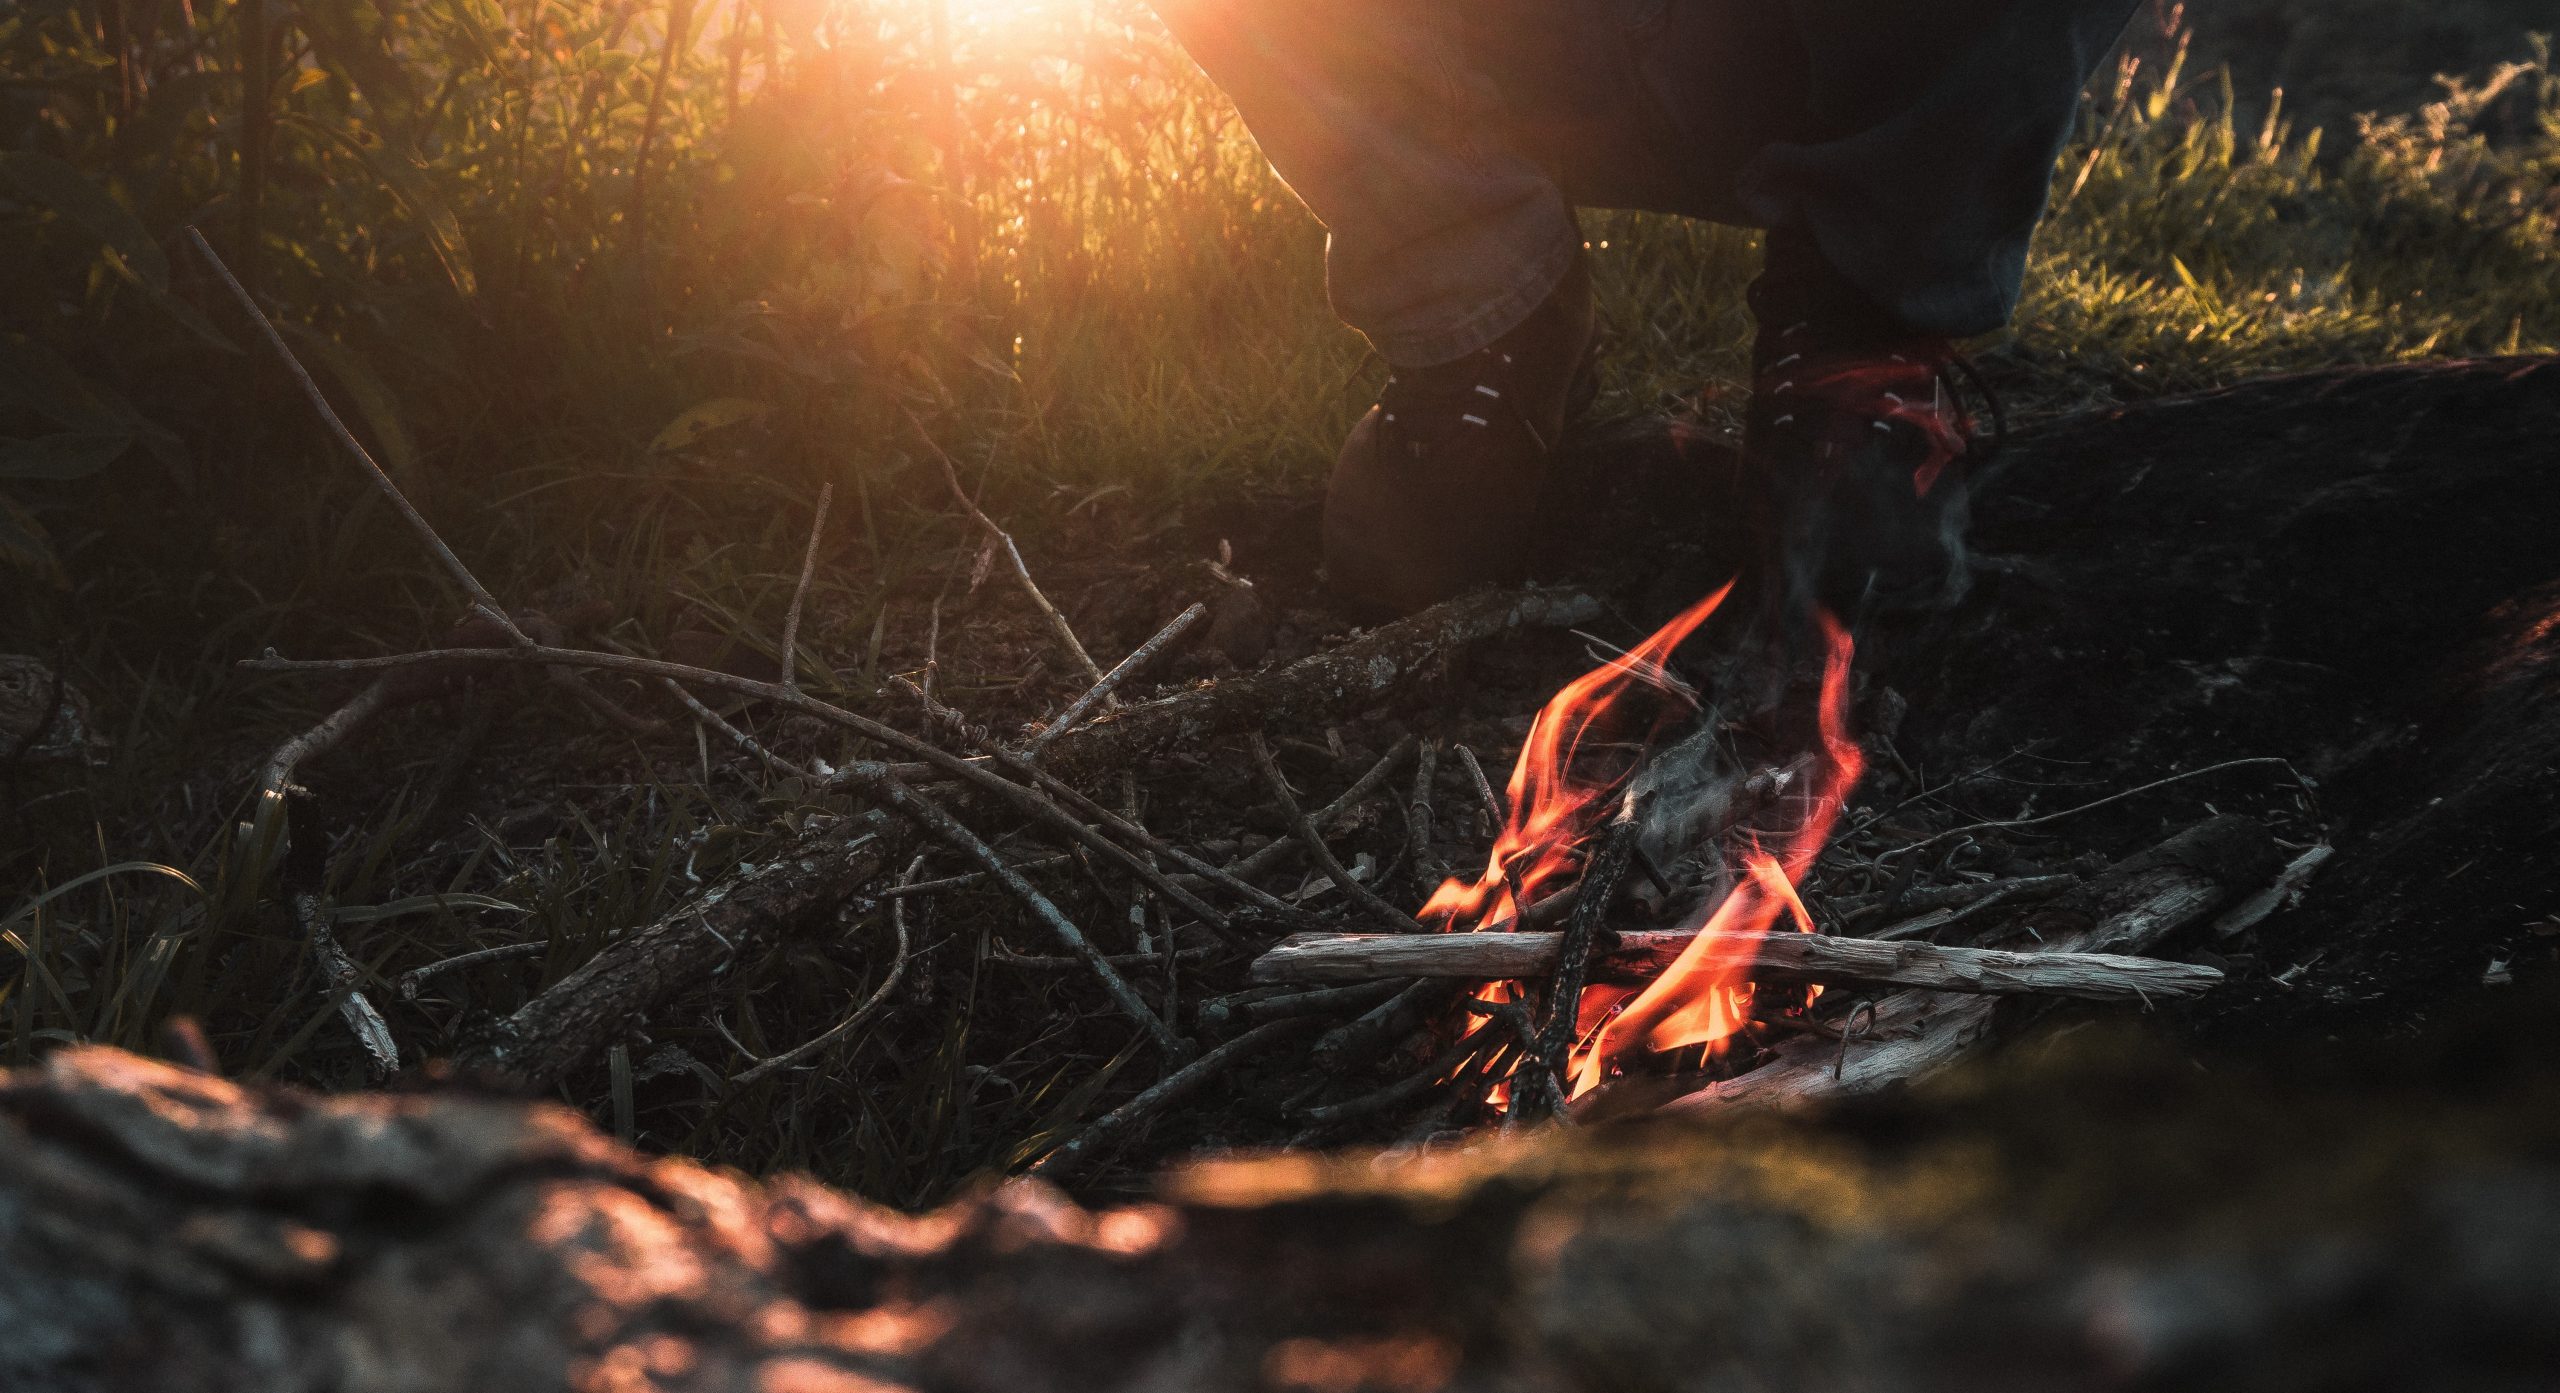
{"x":1054,"y":248}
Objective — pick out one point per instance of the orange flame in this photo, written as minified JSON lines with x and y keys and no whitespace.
{"x":1691,"y":1002}
{"x":1554,"y":803}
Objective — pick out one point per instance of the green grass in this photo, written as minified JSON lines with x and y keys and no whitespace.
{"x":1077,"y":275}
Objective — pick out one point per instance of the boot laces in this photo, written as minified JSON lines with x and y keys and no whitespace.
{"x":1420,"y":408}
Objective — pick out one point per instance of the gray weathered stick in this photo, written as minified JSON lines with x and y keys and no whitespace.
{"x":1795,"y":957}
{"x":2133,"y":907}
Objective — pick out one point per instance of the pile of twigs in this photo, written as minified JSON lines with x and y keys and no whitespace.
{"x":1333,"y":960}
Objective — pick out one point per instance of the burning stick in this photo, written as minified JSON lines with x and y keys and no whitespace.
{"x":1778,"y":956}
{"x":1571,"y":962}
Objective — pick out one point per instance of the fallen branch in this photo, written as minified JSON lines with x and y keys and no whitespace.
{"x":568,"y":1026}
{"x":1111,"y":1128}
{"x":1788,"y":957}
{"x":935,"y":821}
{"x":1317,"y":689}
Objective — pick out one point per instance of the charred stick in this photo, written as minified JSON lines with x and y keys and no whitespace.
{"x":930,"y":818}
{"x":1466,"y":1093}
{"x":1484,"y":790}
{"x":1439,"y":1070}
{"x":2134,"y":906}
{"x":1110,"y":1129}
{"x":1428,"y":869}
{"x":800,"y":591}
{"x":411,"y":981}
{"x":1109,"y":683}
{"x":1361,"y":895}
{"x":765,"y":1068}
{"x":1609,"y":866}
{"x":1787,"y":957}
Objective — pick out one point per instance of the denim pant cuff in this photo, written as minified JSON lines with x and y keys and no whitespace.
{"x":1541,"y":273}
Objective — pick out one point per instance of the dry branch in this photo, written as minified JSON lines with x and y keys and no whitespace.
{"x":1317,"y":689}
{"x":1110,"y":682}
{"x":800,"y":591}
{"x":1111,"y":1128}
{"x":1791,"y":957}
{"x":480,"y":597}
{"x":2131,"y":908}
{"x":568,"y":1026}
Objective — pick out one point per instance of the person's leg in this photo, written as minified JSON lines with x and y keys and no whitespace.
{"x":1929,"y":134}
{"x":1442,"y":239}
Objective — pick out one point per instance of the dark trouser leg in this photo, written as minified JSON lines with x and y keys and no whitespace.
{"x":1443,"y":141}
{"x":1930,"y":137}
{"x":1443,"y":238}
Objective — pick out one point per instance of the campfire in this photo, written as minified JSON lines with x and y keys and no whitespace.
{"x":1711,"y":878}
{"x":1695,"y":1007}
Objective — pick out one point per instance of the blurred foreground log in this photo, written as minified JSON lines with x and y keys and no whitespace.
{"x":163,"y":1229}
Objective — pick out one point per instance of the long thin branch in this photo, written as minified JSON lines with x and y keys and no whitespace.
{"x":1058,"y":625}
{"x":2005,"y":825}
{"x":800,"y":592}
{"x":481,"y":599}
{"x":1266,"y":860}
{"x":280,"y":767}
{"x":735,"y":736}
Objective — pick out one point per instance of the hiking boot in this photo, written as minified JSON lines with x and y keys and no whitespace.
{"x":1862,"y":441}
{"x":1437,"y":489}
